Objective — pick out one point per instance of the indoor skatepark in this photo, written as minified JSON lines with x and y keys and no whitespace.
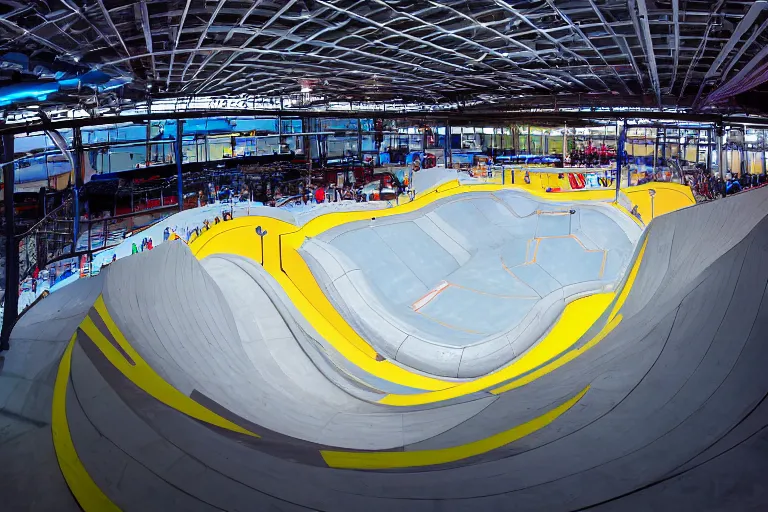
{"x":389,"y":255}
{"x":187,"y":380}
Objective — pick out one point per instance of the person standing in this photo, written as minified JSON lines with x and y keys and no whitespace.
{"x":320,"y":195}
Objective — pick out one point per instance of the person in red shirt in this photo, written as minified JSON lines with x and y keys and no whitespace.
{"x":320,"y":195}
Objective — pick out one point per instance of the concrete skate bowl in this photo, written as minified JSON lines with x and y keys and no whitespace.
{"x":205,"y":384}
{"x":462,"y":286}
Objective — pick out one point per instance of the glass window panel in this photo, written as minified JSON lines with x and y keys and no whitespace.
{"x":219,"y":148}
{"x":291,"y":125}
{"x":342,"y":146}
{"x":127,"y":157}
{"x":189,"y":150}
{"x":261,"y":125}
{"x":338,"y":125}
{"x":369,"y":143}
{"x":161,"y":154}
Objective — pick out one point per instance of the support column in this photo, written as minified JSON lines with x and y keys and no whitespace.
{"x":11,"y":311}
{"x":515,"y":139}
{"x":179,"y":158}
{"x":744,"y":163}
{"x":709,"y":149}
{"x":77,"y":160}
{"x":619,"y":158}
{"x":565,"y":142}
{"x":528,"y":142}
{"x":360,"y":140}
{"x":719,"y":132}
{"x":448,"y":154}
{"x":655,"y":149}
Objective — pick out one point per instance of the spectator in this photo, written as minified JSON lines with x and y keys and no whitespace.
{"x":320,"y":195}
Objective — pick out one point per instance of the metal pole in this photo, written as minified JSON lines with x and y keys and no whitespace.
{"x":360,"y":140}
{"x":720,"y":164}
{"x":528,"y":142}
{"x":629,"y":175}
{"x":655,"y":150}
{"x":448,"y":150}
{"x":619,"y":158}
{"x":77,"y":159}
{"x":565,"y":142}
{"x":11,"y":311}
{"x":515,"y":139}
{"x":744,"y":153}
{"x":179,"y":157}
{"x":709,"y":149}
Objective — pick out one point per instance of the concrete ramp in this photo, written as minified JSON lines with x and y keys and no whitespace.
{"x":463,"y":286}
{"x":212,"y":332}
{"x":196,"y":385}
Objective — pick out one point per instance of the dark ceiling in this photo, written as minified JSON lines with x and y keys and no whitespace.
{"x":647,"y":53}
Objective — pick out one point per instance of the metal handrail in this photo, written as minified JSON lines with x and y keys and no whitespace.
{"x":47,"y":218}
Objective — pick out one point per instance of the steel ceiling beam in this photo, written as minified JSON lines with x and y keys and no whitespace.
{"x":650,"y":54}
{"x":179,"y":30}
{"x":676,"y":49}
{"x":537,"y":53}
{"x":111,"y":24}
{"x":147,"y":34}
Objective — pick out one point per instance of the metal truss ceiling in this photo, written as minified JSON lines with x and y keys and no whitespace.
{"x":647,"y":53}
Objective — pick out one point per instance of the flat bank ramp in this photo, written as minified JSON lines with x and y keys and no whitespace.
{"x":663,"y":410}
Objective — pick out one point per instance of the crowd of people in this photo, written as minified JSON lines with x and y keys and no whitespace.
{"x":707,"y":186}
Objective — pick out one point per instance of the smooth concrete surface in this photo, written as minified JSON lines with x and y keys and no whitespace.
{"x":461,"y":287}
{"x":234,"y":348}
{"x":674,"y":415}
{"x":30,"y":478}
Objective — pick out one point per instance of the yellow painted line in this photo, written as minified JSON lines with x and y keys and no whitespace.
{"x":561,"y":361}
{"x":614,"y":319}
{"x":630,"y":281}
{"x":142,"y":374}
{"x":576,"y":319}
{"x":86,"y":492}
{"x":389,"y":460}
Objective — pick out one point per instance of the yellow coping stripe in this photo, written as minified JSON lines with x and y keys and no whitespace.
{"x":86,"y":492}
{"x":389,"y":460}
{"x":576,"y":319}
{"x":561,"y":361}
{"x":614,"y":319}
{"x":238,"y":237}
{"x":145,"y":377}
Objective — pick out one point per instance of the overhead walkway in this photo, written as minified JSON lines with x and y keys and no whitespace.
{"x":200,"y":380}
